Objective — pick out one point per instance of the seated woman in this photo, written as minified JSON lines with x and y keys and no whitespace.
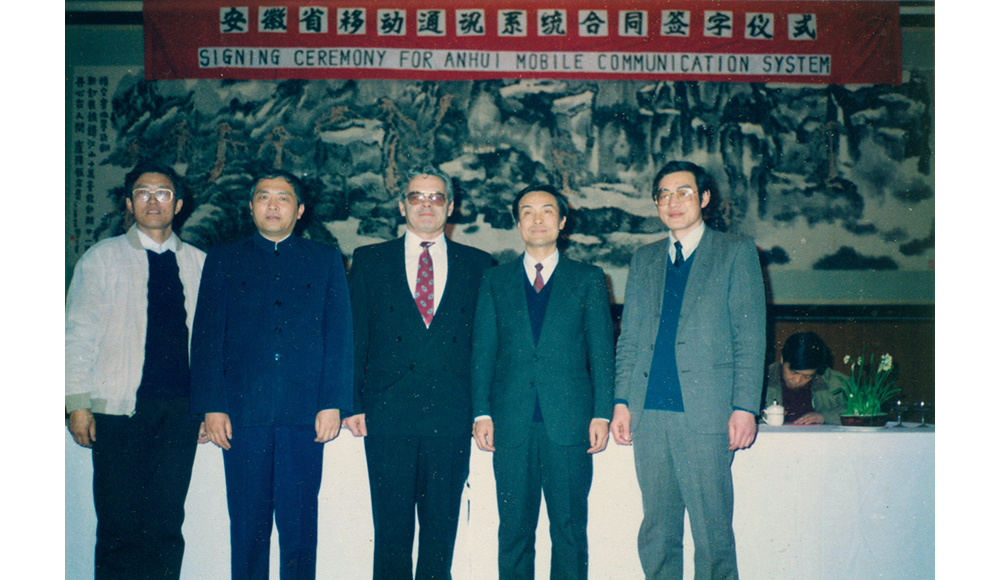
{"x":801,"y":381}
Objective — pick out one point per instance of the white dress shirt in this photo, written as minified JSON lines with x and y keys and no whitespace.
{"x":149,"y":243}
{"x":548,"y":266}
{"x":439,"y":255}
{"x":688,"y":245}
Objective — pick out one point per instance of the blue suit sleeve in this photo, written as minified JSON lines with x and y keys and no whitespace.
{"x":337,"y":383}
{"x":207,"y":337}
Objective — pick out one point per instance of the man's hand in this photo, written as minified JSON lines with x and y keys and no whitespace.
{"x":621,"y":423}
{"x":742,"y":430}
{"x":219,"y":428}
{"x":82,"y":427}
{"x":483,"y":432}
{"x":203,"y":434}
{"x":598,"y":435}
{"x":356,"y":424}
{"x":810,"y":419}
{"x":327,"y":425}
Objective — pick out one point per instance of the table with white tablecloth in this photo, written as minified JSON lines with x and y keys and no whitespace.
{"x":810,"y":502}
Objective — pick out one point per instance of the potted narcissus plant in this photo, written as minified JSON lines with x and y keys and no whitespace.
{"x":866,"y":390}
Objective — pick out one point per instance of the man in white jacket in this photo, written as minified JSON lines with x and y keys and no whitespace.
{"x":129,"y":311}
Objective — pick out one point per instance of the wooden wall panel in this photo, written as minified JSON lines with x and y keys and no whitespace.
{"x":910,"y":342}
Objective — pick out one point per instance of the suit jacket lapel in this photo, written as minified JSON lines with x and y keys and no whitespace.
{"x":513,"y":290}
{"x":565,"y":278}
{"x":703,"y":258}
{"x":400,"y":286}
{"x":658,"y":269}
{"x":455,"y":271}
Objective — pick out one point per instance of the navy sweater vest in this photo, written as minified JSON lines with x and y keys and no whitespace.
{"x":165,"y":369}
{"x":537,"y":303}
{"x":663,"y":391}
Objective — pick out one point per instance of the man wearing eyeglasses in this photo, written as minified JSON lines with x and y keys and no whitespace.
{"x":414,"y":299}
{"x":689,"y":367}
{"x":271,"y":365}
{"x":129,"y":312}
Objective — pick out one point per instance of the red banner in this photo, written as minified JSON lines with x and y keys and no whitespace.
{"x":825,"y":42}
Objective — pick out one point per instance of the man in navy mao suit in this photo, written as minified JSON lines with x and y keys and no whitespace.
{"x":271,"y":364}
{"x":689,"y":367}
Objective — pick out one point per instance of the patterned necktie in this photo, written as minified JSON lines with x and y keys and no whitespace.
{"x":539,"y":283}
{"x":678,"y":255}
{"x":424,"y":295}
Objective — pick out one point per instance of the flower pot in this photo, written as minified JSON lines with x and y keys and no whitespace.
{"x":864,"y":420}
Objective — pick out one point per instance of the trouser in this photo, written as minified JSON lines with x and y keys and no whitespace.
{"x":272,"y":478}
{"x":523,"y":474}
{"x":142,"y":469}
{"x":677,"y":469}
{"x":426,"y":472}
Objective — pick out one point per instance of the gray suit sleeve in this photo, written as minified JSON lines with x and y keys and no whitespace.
{"x":748,"y":320}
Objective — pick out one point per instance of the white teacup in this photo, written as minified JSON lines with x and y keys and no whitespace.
{"x":774,"y":415}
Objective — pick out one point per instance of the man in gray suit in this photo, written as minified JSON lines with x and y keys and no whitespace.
{"x":689,"y":368}
{"x":542,"y":385}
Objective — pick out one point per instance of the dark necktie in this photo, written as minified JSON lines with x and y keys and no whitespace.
{"x":539,"y":283}
{"x":678,"y":255}
{"x":424,"y":294}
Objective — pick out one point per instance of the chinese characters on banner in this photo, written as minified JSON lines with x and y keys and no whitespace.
{"x":828,"y":42}
{"x":91,"y":137}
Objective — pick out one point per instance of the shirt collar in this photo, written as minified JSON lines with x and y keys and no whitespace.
{"x":412,"y":242}
{"x":548,"y":264}
{"x":172,"y":243}
{"x":267,"y":244}
{"x":690,"y":241}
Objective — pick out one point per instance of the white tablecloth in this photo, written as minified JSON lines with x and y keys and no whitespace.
{"x":811,"y":502}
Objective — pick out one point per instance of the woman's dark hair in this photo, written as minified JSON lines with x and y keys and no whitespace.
{"x":805,"y":351}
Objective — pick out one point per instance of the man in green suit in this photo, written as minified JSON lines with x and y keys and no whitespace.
{"x":542,"y":380}
{"x":689,"y":367}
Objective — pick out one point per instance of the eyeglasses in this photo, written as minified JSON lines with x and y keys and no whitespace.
{"x":143,"y":195}
{"x":417,"y":198}
{"x":681,"y":195}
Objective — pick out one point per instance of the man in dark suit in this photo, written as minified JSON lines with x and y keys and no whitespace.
{"x":413,"y":300}
{"x":272,"y":369}
{"x":689,"y":369}
{"x":543,"y":371}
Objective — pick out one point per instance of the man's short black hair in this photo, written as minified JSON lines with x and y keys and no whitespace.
{"x":297,"y":186}
{"x":702,"y":180}
{"x":561,"y":202}
{"x":805,"y":351}
{"x":150,"y":166}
